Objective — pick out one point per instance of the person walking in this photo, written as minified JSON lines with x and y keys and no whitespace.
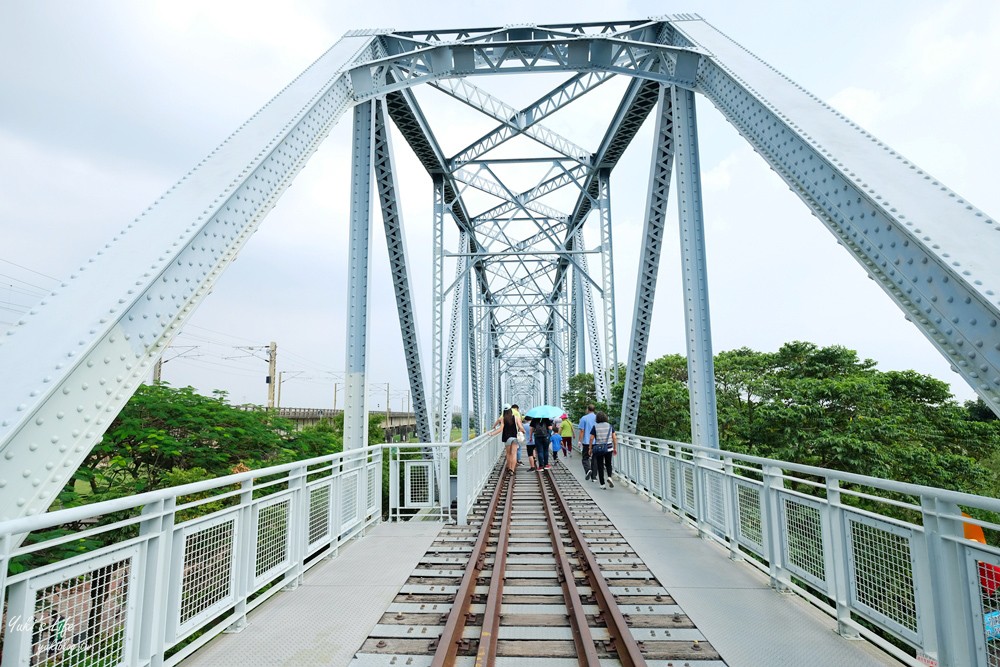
{"x":587,"y":423}
{"x":556,"y":441}
{"x":511,"y":427}
{"x":521,"y":439}
{"x":529,"y":434}
{"x":604,"y":444}
{"x":541,"y":429}
{"x":566,"y":431}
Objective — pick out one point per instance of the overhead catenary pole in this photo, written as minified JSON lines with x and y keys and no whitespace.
{"x":272,"y":364}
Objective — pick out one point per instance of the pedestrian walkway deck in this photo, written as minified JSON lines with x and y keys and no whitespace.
{"x":326,"y":620}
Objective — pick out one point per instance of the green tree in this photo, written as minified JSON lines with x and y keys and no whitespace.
{"x":161,"y":429}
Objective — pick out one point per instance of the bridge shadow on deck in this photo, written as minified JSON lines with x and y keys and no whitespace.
{"x":326,"y":620}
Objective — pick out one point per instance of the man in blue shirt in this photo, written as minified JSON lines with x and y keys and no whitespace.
{"x":587,"y":423}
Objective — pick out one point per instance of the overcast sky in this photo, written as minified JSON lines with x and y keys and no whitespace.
{"x":104,"y":104}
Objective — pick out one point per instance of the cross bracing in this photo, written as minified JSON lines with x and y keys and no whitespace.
{"x":515,"y":299}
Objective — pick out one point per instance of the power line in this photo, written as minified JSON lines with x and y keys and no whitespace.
{"x":44,"y":275}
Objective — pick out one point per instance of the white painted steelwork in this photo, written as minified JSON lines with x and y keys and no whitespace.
{"x":196,"y":558}
{"x":838,"y":540}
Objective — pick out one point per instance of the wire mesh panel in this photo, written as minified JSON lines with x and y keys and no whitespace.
{"x":802,"y":539}
{"x":984,"y":584}
{"x":349,"y":500}
{"x":419,"y":484}
{"x":83,"y":615}
{"x":655,"y":473}
{"x":319,"y":516}
{"x":642,"y":469}
{"x":715,"y":498}
{"x":672,"y":491}
{"x":881,"y":574}
{"x":687,"y":487}
{"x":207,"y":579}
{"x":749,"y":526}
{"x":373,"y":486}
{"x":272,"y":538}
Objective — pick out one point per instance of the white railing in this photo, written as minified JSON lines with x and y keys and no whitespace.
{"x":147,"y":579}
{"x":418,"y":481}
{"x":476,"y":460}
{"x":871,"y":552}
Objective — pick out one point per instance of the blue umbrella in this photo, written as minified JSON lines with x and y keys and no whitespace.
{"x":545,"y":412}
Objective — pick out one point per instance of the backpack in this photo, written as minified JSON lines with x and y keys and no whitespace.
{"x":541,"y":434}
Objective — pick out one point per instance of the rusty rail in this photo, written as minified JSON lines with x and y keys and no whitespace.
{"x":624,"y":643}
{"x":586,"y":649}
{"x":451,"y":636}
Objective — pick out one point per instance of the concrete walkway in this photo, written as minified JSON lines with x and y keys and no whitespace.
{"x":326,"y":620}
{"x":732,"y":603}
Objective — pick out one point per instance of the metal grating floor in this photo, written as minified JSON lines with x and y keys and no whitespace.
{"x":748,"y":623}
{"x":325,"y":620}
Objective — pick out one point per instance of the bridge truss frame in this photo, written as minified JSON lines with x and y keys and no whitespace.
{"x":77,"y":357}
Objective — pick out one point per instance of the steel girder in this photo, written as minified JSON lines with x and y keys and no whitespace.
{"x":546,"y":53}
{"x":590,"y":316}
{"x":523,"y":119}
{"x":649,"y":260}
{"x":608,"y":276}
{"x":438,"y":294}
{"x":392,"y":218}
{"x":932,"y":252}
{"x":72,"y":363}
{"x":359,"y":260}
{"x":74,"y":360}
{"x":694,"y":273}
{"x":453,"y":342}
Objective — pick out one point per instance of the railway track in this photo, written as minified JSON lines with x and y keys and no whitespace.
{"x":572,"y":591}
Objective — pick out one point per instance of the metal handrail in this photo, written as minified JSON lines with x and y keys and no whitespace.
{"x":921,"y":584}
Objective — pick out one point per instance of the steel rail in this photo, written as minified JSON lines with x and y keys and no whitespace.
{"x":586,"y":649}
{"x":624,"y":643}
{"x":451,"y":636}
{"x":486,"y":653}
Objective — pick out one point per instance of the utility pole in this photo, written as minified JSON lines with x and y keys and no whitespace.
{"x":334,"y":396}
{"x":388,"y":426}
{"x":158,"y":370}
{"x":272,"y":362}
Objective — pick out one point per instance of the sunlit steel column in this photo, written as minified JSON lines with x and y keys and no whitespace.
{"x":359,"y":256}
{"x":608,"y":277}
{"x":649,"y":260}
{"x":466,"y":348}
{"x":701,"y":365}
{"x":392,"y":219}
{"x":437,"y":363}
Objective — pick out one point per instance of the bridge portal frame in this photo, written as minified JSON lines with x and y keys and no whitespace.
{"x":75,"y":360}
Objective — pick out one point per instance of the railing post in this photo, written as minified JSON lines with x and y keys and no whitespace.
{"x":701,"y":495}
{"x":246,"y":548}
{"x":771,"y":513}
{"x":663,"y":452}
{"x":838,"y":547}
{"x":444,"y":474}
{"x":393,"y":485}
{"x":155,"y":609}
{"x":17,"y":636}
{"x":944,"y":534}
{"x":463,"y":488}
{"x":297,"y":521}
{"x":732,"y":509}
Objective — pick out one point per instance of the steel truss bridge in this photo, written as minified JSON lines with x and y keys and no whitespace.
{"x":524,"y":299}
